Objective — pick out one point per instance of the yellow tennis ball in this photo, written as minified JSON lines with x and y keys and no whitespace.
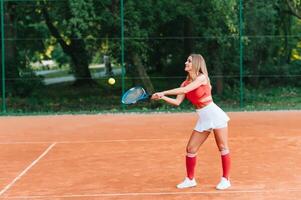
{"x":111,"y":81}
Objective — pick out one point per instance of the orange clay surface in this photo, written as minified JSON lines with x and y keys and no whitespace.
{"x":141,"y":156}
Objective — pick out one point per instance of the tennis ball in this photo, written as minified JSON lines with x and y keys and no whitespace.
{"x":111,"y":81}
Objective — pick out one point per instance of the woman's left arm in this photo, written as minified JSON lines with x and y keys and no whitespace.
{"x":200,"y":80}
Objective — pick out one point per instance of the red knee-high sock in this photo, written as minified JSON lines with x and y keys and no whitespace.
{"x":226,"y":163}
{"x":190,"y":165}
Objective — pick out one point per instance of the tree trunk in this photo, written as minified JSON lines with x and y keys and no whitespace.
{"x":80,"y":61}
{"x":142,"y":73}
{"x":219,"y":81}
{"x":10,"y":45}
{"x":188,"y":32}
{"x":76,"y":50}
{"x":218,"y":68}
{"x":255,"y":63}
{"x":295,"y":8}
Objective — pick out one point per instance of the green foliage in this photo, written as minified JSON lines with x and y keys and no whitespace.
{"x":65,"y":98}
{"x":295,"y":7}
{"x":25,"y":86}
{"x":163,"y":33}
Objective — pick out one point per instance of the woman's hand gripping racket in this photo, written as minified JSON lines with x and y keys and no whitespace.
{"x":134,"y":95}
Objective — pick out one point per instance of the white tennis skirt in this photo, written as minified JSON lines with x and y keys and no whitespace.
{"x":211,"y":117}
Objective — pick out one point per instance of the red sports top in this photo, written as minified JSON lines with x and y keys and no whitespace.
{"x":195,"y":96}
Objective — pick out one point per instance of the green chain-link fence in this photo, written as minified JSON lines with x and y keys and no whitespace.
{"x":57,"y":55}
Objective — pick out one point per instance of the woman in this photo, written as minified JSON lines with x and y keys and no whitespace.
{"x":197,"y":89}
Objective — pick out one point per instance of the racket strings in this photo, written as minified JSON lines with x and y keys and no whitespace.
{"x":133,"y":95}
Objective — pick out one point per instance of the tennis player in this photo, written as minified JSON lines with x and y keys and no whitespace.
{"x":197,"y":89}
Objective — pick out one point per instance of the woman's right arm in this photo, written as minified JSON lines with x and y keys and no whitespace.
{"x":175,"y":102}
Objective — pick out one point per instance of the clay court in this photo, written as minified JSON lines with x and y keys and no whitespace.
{"x":141,"y":156}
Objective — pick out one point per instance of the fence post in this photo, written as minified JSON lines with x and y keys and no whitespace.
{"x":3,"y":58}
{"x":122,"y":49}
{"x":241,"y":53}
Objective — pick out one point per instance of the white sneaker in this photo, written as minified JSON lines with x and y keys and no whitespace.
{"x":187,"y":183}
{"x":223,"y":184}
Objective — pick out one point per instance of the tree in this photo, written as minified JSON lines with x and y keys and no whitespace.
{"x":192,"y":27}
{"x":295,"y":7}
{"x":73,"y":29}
{"x":219,"y":27}
{"x":20,"y":27}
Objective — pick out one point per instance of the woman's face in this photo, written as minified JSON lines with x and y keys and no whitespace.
{"x":188,"y":64}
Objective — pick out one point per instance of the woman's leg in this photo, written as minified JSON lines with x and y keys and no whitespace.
{"x":194,"y":143}
{"x":221,"y":138}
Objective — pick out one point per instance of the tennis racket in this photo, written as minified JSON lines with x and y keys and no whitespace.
{"x":134,"y":95}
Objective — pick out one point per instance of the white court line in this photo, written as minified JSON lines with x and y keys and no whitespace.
{"x":152,"y":194}
{"x":97,"y":141}
{"x":136,"y":140}
{"x":26,"y":170}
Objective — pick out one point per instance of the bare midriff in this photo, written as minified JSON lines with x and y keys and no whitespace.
{"x":204,"y":102}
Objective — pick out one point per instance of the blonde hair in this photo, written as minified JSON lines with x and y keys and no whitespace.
{"x":199,"y":66}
